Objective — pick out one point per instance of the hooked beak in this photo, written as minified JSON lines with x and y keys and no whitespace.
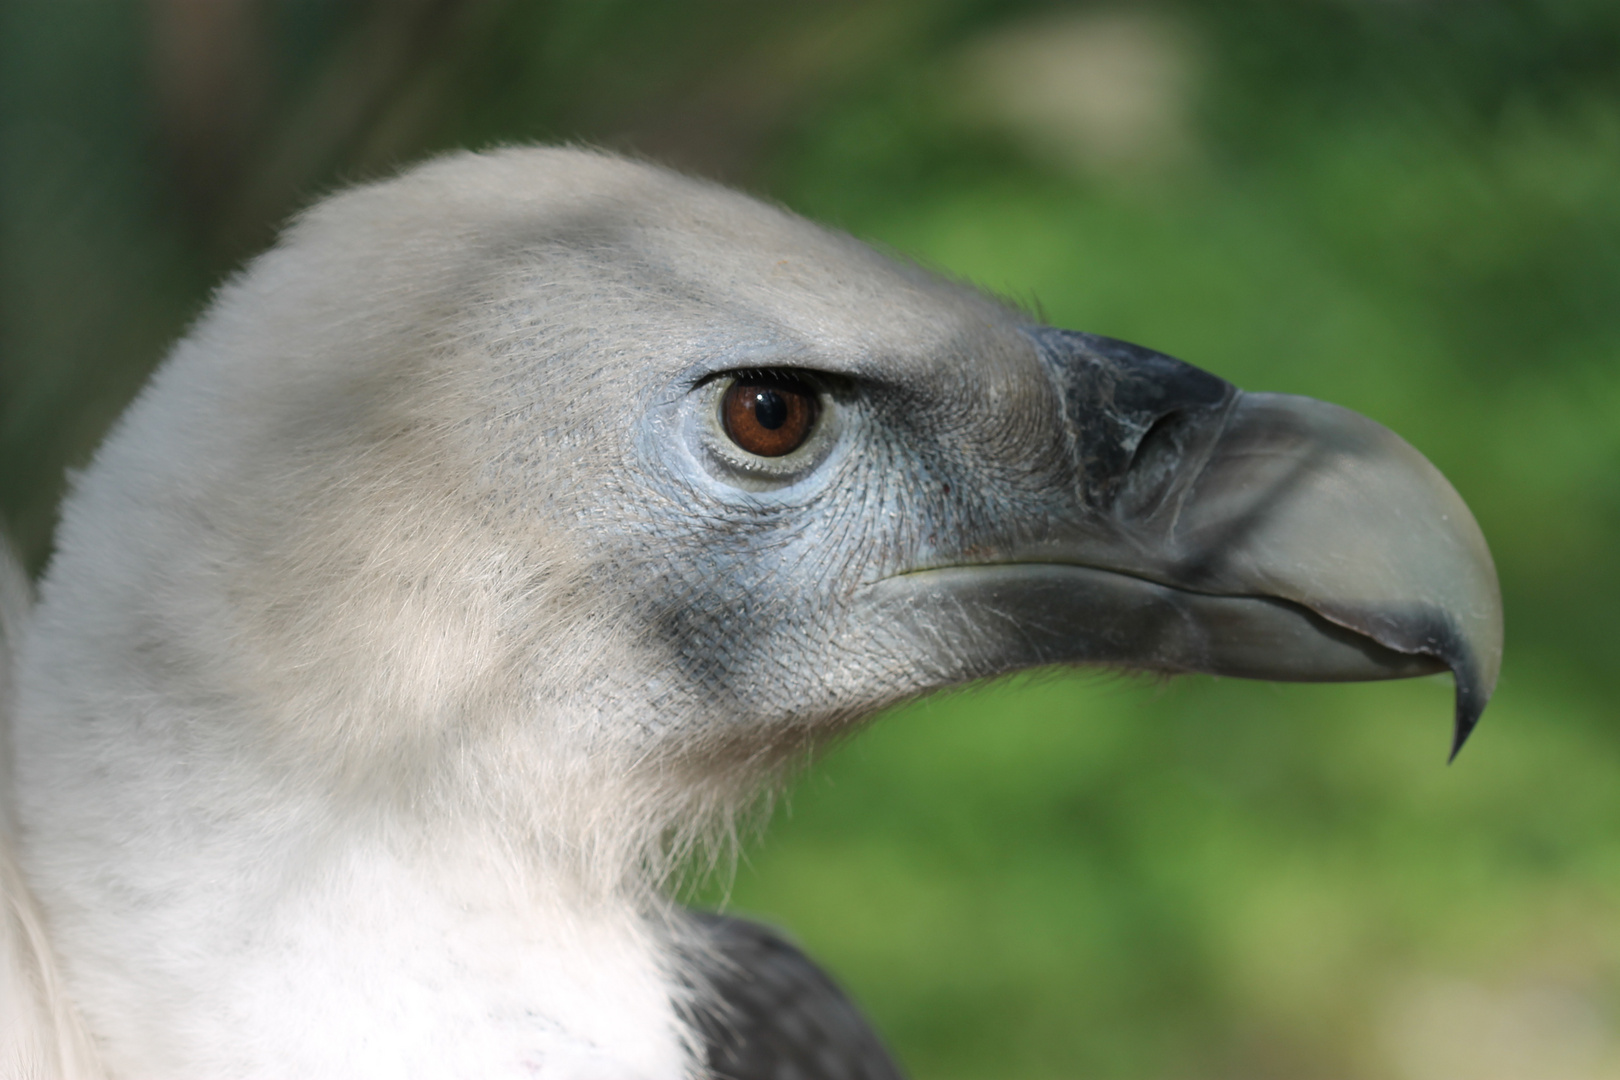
{"x":1262,"y":536}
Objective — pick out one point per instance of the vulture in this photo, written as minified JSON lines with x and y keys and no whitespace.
{"x":497,"y":537}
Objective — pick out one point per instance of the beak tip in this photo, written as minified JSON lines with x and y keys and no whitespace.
{"x":1472,"y":696}
{"x":1459,"y":736}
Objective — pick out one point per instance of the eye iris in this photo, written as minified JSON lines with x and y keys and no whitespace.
{"x":769,"y":416}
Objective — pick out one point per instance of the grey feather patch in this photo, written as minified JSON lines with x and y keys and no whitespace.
{"x":778,"y":1016}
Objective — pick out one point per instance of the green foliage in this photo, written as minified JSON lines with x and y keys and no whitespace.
{"x":1413,"y":210}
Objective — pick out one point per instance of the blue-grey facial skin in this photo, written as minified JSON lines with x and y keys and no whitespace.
{"x":994,"y":496}
{"x":777,"y":554}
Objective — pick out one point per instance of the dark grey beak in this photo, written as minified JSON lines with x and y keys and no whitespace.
{"x":1256,"y":535}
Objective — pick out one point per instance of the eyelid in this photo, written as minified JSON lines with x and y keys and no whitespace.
{"x":818,"y":380}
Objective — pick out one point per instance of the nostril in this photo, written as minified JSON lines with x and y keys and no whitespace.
{"x":1154,"y":465}
{"x":1159,"y":443}
{"x":1131,"y":412}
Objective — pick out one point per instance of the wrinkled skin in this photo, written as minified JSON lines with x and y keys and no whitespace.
{"x":1253,"y":535}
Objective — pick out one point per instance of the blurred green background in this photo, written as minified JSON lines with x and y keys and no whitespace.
{"x":1410,"y":207}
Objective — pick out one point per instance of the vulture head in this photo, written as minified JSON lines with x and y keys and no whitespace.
{"x":510,"y":525}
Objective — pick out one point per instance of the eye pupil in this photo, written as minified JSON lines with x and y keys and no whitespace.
{"x":769,"y":415}
{"x":770,"y":411}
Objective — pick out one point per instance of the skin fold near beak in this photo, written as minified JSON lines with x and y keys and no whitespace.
{"x":1261,"y":536}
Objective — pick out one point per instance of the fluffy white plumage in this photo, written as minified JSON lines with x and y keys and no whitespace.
{"x":310,"y":721}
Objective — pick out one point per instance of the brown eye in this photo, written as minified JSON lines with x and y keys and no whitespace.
{"x":769,"y":415}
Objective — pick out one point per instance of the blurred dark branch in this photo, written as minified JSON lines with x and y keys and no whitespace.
{"x":720,"y":124}
{"x":390,"y":85}
{"x":242,"y":173}
{"x":210,"y":79}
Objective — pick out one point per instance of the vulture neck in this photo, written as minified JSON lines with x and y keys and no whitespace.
{"x":490,"y":908}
